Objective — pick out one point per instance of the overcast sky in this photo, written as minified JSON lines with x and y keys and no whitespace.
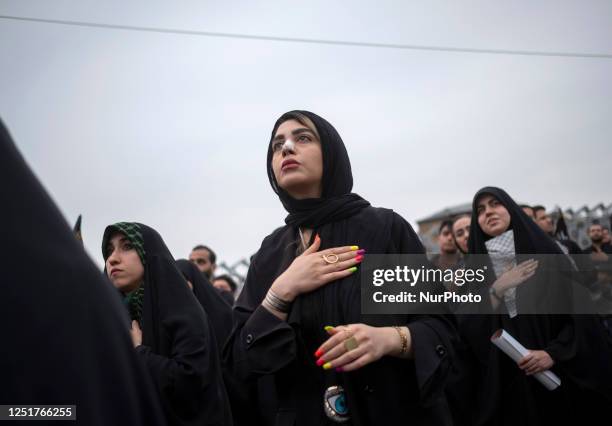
{"x":171,"y":130}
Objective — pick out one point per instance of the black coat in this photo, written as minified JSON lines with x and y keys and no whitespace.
{"x":65,"y":333}
{"x":390,"y":391}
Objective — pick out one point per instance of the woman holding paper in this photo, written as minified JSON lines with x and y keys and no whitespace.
{"x":528,"y":299}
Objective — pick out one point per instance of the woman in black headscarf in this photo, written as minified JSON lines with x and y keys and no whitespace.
{"x":64,"y":332}
{"x":506,"y":394}
{"x":303,"y":287}
{"x":170,"y":330}
{"x":218,"y":310}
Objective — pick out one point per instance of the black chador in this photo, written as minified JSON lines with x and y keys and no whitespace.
{"x":505,"y":395}
{"x":178,"y":347}
{"x":65,"y":333}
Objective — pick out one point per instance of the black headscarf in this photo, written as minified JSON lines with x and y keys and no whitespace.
{"x":65,"y":336}
{"x":528,"y":236}
{"x":336,"y":202}
{"x":178,"y":345}
{"x":218,"y":310}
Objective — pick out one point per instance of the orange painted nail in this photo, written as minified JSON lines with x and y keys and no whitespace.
{"x":318,"y":353}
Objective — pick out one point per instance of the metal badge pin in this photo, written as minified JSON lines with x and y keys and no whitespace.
{"x":334,"y":404}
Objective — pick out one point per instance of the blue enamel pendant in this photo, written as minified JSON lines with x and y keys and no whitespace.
{"x":334,"y":404}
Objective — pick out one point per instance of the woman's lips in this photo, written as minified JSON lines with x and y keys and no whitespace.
{"x":290,"y":165}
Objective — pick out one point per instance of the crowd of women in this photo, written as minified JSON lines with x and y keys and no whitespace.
{"x":152,"y":342}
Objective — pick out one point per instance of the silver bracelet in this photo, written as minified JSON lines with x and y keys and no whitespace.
{"x":277,"y":303}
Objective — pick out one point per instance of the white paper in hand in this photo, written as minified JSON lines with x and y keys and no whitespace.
{"x":511,"y":347}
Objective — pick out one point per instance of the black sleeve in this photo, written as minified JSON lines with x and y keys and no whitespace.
{"x":563,"y":346}
{"x":260,"y":342}
{"x":186,"y":372}
{"x":433,"y":336}
{"x":432,"y":343}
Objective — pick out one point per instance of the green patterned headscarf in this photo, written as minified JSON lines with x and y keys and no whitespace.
{"x":133,"y":301}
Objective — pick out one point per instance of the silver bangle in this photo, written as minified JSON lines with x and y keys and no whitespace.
{"x":277,"y":303}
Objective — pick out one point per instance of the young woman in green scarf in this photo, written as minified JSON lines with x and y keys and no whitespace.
{"x":170,"y":330}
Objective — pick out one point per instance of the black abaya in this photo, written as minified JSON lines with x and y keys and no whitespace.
{"x":390,"y":391}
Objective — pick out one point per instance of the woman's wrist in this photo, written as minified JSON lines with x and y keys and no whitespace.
{"x":398,"y":341}
{"x":272,"y":300}
{"x":499,"y":289}
{"x":283,"y":291}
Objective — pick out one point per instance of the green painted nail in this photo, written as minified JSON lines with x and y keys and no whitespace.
{"x":328,"y":328}
{"x":353,"y":269}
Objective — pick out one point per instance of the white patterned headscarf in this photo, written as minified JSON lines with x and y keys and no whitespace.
{"x":503,"y":257}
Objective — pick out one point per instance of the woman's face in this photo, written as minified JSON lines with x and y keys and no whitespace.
{"x":493,"y":217}
{"x":297,"y":166}
{"x":461,"y":233}
{"x":123,"y":264}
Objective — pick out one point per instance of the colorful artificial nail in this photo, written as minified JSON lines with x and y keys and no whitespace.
{"x":327,"y":366}
{"x":354,"y":248}
{"x":328,"y":328}
{"x":339,"y":369}
{"x":353,"y":269}
{"x":361,"y":251}
{"x":320,"y":362}
{"x":358,"y":258}
{"x":318,"y":353}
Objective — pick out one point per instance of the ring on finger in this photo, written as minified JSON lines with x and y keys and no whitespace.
{"x":351,"y":344}
{"x":348,"y":332}
{"x":330,"y":258}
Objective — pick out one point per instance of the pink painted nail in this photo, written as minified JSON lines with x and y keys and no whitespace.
{"x":318,"y":353}
{"x":358,"y":258}
{"x":361,"y":251}
{"x":339,"y":369}
{"x":320,"y":362}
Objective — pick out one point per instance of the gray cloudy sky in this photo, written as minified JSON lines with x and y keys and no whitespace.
{"x":171,"y":130}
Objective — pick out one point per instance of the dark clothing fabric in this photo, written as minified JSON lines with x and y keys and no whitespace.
{"x":445,"y":262}
{"x":241,"y":396}
{"x":218,"y":310}
{"x":390,"y":391}
{"x":178,"y":348}
{"x":65,"y":332}
{"x":228,"y":297}
{"x":606,"y":248}
{"x":587,"y":275}
{"x":504,"y":394}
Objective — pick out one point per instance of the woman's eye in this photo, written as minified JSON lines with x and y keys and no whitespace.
{"x":304,"y":138}
{"x":128,"y":246}
{"x":276,"y":146}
